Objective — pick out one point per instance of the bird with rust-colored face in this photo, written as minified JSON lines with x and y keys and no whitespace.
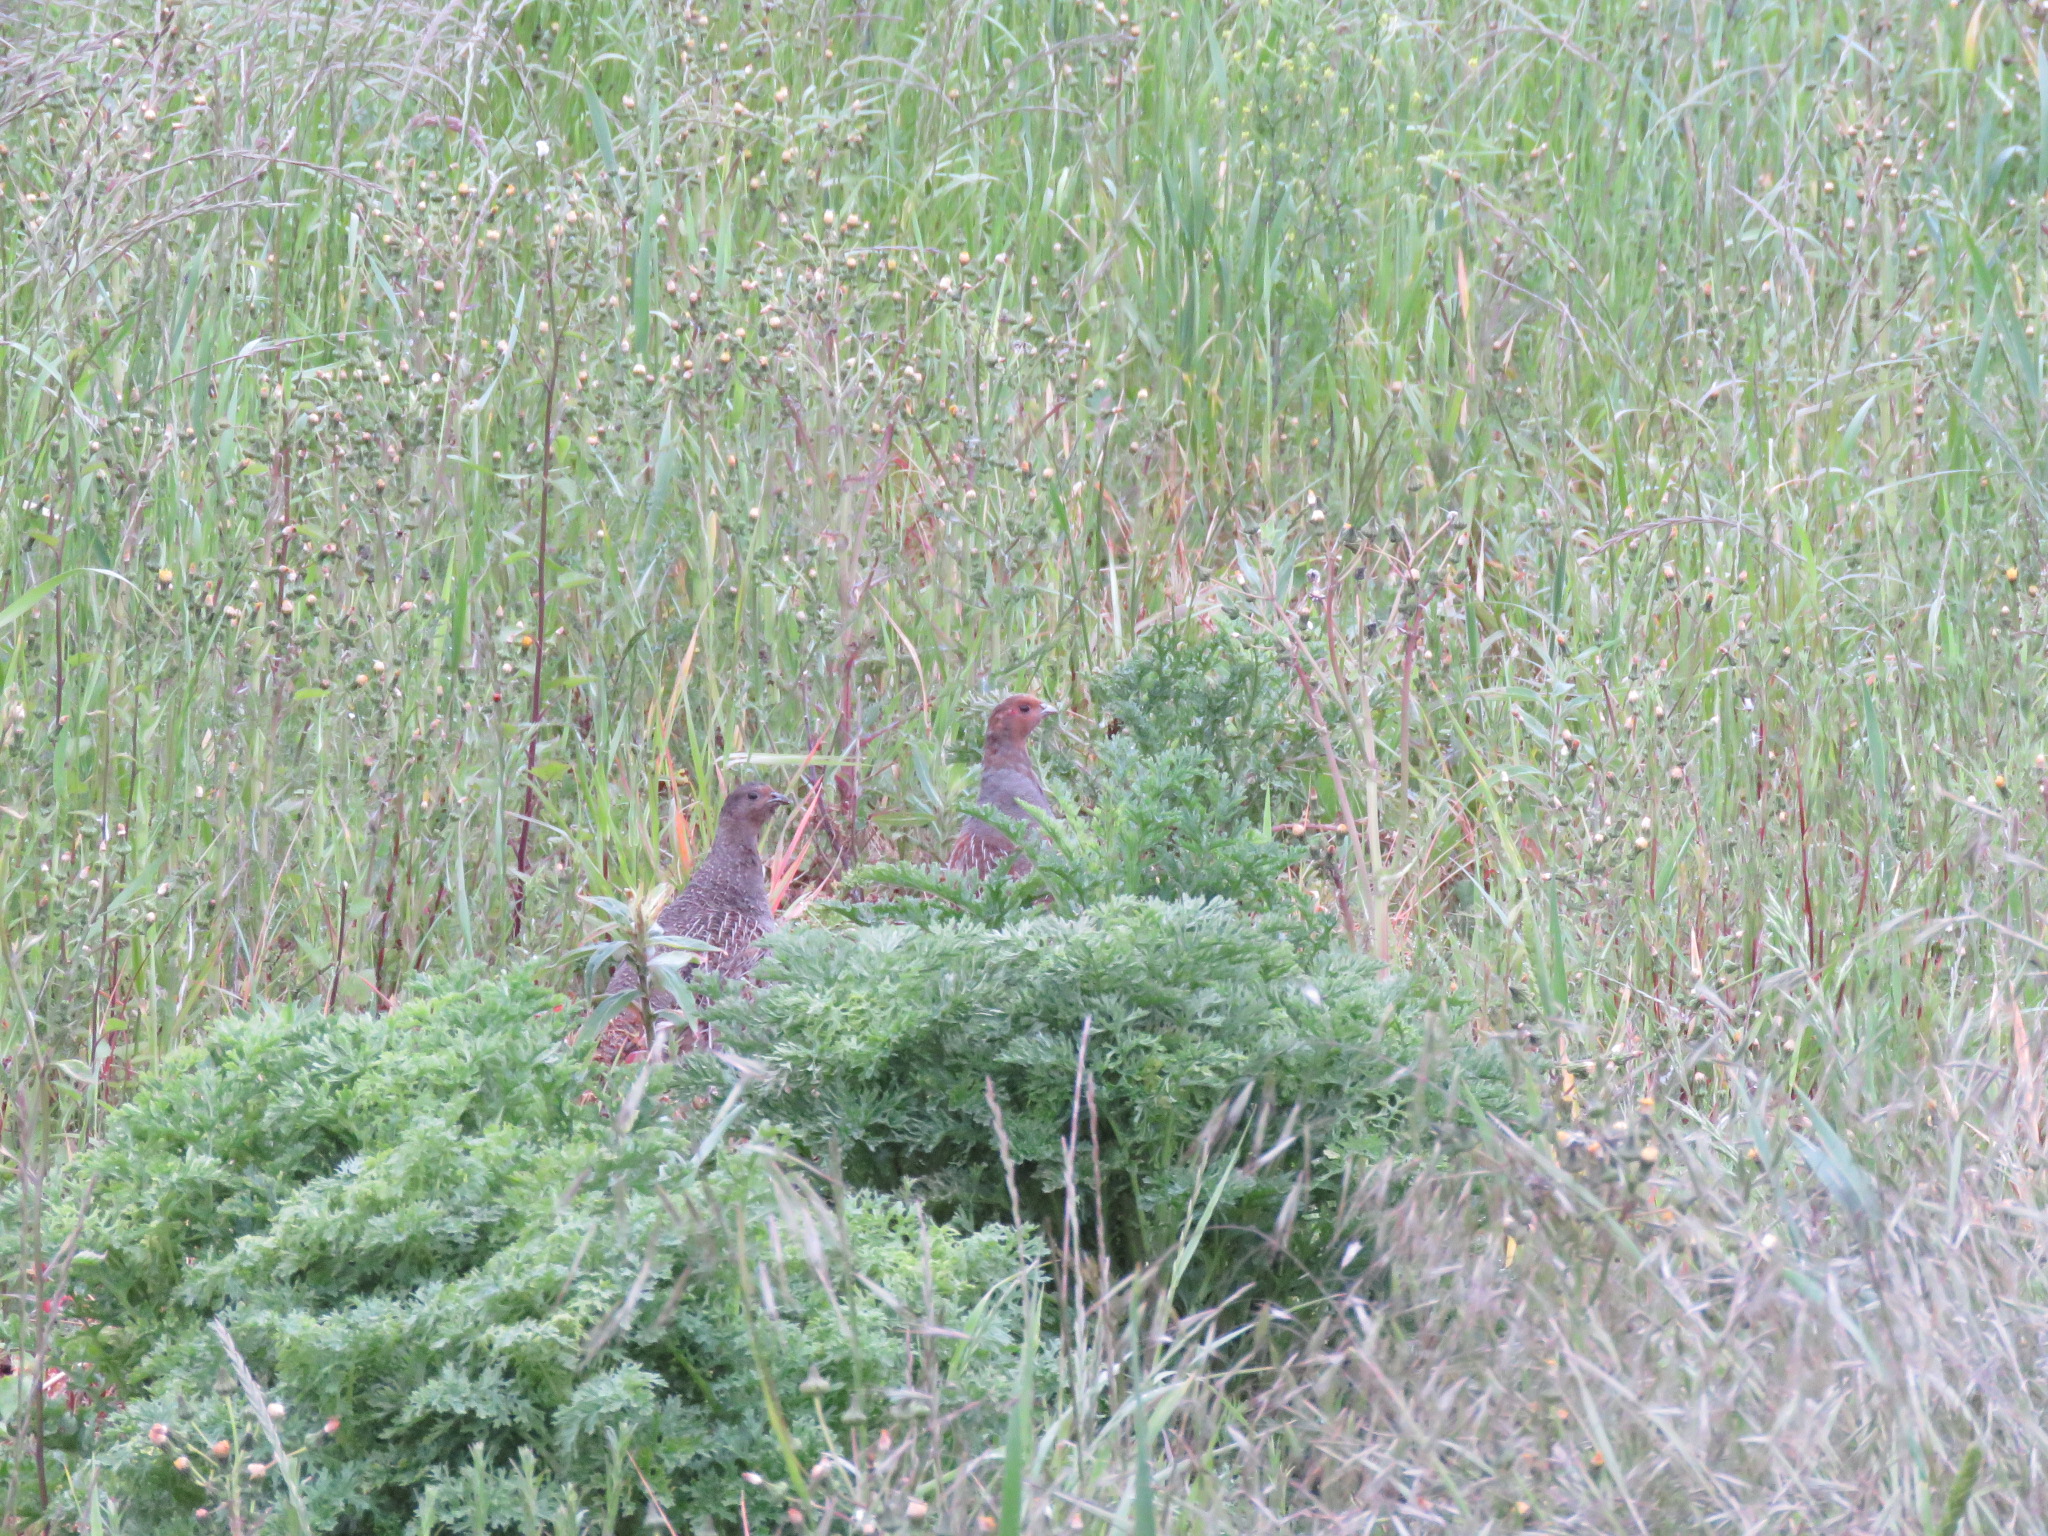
{"x":725,"y":904}
{"x":1008,"y":784}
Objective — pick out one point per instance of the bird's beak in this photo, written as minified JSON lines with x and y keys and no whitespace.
{"x":1050,"y":709}
{"x":776,"y":797}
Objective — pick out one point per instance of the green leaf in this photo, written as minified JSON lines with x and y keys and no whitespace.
{"x":601,"y":123}
{"x":1017,"y":1443}
{"x":35,"y":594}
{"x":1839,"y":1172}
{"x":1142,"y":1519}
{"x":783,"y":760}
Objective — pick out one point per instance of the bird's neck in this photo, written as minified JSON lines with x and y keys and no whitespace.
{"x":1011,"y":752}
{"x":737,"y":844}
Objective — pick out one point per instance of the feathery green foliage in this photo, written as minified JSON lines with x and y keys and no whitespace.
{"x":1168,"y":1054}
{"x":414,"y":1222}
{"x":1220,"y":686}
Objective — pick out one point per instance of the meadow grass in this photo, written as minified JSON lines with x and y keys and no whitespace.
{"x":436,"y":439}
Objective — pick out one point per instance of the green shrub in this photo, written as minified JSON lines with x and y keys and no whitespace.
{"x":1219,"y":686}
{"x":1223,"y":1064}
{"x":416,"y":1222}
{"x":1165,"y":823}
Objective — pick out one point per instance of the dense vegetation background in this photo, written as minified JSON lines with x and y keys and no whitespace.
{"x":437,"y":439}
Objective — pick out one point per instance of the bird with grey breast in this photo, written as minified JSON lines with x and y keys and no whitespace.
{"x":1009,"y":784}
{"x":725,"y":905}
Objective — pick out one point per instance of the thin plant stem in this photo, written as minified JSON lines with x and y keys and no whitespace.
{"x":540,"y":600}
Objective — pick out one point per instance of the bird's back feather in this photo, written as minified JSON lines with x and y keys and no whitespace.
{"x":725,"y":905}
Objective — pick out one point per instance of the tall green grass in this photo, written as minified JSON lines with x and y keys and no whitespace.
{"x":1630,"y":415}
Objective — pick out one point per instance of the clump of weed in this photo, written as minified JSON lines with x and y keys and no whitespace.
{"x":1172,"y":1069}
{"x":1219,"y":687}
{"x":430,"y":1226}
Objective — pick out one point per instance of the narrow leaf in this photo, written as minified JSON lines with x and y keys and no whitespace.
{"x":1017,"y":1445}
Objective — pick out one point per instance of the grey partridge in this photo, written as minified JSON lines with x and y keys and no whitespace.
{"x":725,"y":904}
{"x":1008,"y":785}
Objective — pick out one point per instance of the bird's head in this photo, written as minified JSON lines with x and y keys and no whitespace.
{"x":1013,"y":720}
{"x":751,"y":805}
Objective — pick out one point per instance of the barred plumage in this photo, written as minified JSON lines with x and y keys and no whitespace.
{"x":725,"y":904}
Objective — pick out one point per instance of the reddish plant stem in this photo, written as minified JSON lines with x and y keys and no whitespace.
{"x":419,"y":955}
{"x":340,"y":943}
{"x":384,"y":918}
{"x":1408,"y":647}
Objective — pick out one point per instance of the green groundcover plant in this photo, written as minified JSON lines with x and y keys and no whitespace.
{"x":1219,"y":685}
{"x":1152,"y":1026}
{"x":441,"y":1227}
{"x":1173,"y":1065}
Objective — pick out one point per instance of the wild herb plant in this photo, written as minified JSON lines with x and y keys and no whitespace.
{"x":1217,"y":686}
{"x":1166,"y":1068}
{"x":439,"y":1238}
